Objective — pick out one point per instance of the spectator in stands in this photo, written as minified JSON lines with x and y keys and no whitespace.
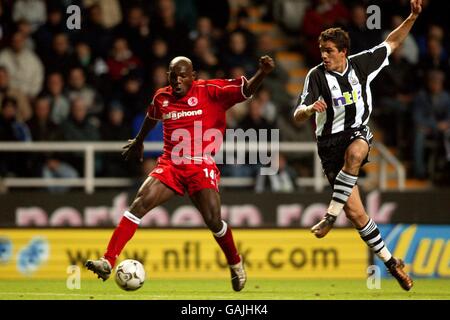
{"x":131,"y":97}
{"x":394,"y":93}
{"x":276,"y":81}
{"x":78,"y":88}
{"x":111,"y":13}
{"x":236,"y":54}
{"x":54,"y":168}
{"x":34,"y":11}
{"x":44,"y":35}
{"x":282,"y":181}
{"x":23,"y":106}
{"x":243,"y":26}
{"x":24,"y":27}
{"x":136,"y":29}
{"x":95,"y":34}
{"x":24,"y":67}
{"x":435,"y":58}
{"x":362,"y":37}
{"x":60,"y":57}
{"x":431,"y":119}
{"x":41,"y":126}
{"x":165,"y":24}
{"x":203,"y":55}
{"x":58,"y":98}
{"x":114,"y":129}
{"x":122,"y":61}
{"x":321,"y":15}
{"x":12,"y":163}
{"x":79,"y":127}
{"x":94,"y":68}
{"x":158,"y":54}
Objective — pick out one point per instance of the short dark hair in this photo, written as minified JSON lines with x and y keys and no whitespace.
{"x":338,"y":36}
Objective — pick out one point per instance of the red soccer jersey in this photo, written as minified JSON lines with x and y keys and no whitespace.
{"x":195,"y":124}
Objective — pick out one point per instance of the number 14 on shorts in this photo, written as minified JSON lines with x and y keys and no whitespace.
{"x":209,"y":173}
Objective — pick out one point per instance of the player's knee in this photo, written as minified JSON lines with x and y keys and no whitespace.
{"x":213,"y":222}
{"x":355,"y":158}
{"x":353,"y":215}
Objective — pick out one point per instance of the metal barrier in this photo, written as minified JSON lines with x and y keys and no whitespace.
{"x":90,"y":182}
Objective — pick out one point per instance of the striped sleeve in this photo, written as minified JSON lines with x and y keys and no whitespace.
{"x":311,"y":90}
{"x":370,"y":62}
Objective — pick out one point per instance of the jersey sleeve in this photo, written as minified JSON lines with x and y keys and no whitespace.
{"x":227,"y":92}
{"x":311,"y":90}
{"x":154,"y":109}
{"x":370,"y":62}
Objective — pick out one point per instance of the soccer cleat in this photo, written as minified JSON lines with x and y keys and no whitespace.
{"x":398,"y":273}
{"x":238,"y":275}
{"x":102,"y":268}
{"x":321,"y":229}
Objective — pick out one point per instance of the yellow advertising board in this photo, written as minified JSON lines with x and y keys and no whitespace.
{"x":186,"y":253}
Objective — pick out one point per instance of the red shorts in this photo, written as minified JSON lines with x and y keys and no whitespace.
{"x":193,"y":176}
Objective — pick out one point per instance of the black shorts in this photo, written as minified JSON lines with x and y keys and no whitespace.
{"x":332,"y":149}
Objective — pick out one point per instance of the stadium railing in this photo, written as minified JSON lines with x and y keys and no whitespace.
{"x":90,"y":182}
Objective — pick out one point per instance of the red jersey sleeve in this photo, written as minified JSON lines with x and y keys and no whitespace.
{"x":154,"y":109}
{"x":227,"y":92}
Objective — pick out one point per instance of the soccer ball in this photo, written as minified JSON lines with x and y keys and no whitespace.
{"x":130,"y":275}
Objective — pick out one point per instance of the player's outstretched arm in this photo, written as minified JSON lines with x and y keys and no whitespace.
{"x":135,"y":147}
{"x":266,"y":65}
{"x":396,"y":37}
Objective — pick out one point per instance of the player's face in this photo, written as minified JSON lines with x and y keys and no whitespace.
{"x":333,"y":59}
{"x":180,"y":78}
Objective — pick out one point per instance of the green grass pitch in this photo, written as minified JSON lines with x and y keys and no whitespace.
{"x":424,"y":289}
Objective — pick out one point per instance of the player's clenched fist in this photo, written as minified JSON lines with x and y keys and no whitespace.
{"x":266,"y":64}
{"x":319,"y":106}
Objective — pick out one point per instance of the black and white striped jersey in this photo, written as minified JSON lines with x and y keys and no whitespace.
{"x":347,"y":95}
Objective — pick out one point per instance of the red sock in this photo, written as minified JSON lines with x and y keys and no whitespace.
{"x":226,"y":242}
{"x":123,"y":233}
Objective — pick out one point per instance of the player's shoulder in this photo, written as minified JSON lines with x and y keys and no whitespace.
{"x":384,"y":46}
{"x":161,"y":92}
{"x":316,"y":71}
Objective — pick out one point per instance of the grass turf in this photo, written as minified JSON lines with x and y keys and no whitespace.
{"x":424,"y":289}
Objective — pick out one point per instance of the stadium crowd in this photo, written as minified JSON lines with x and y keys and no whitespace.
{"x":94,"y":83}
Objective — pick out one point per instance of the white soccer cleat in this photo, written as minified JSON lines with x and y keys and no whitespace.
{"x":238,"y":275}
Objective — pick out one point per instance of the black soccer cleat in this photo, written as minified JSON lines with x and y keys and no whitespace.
{"x":102,"y":268}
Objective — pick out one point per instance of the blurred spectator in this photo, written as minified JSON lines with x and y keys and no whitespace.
{"x":6,"y":24}
{"x":282,"y":181}
{"x":323,"y":14}
{"x":78,"y":127}
{"x":54,"y":168}
{"x":203,"y":56}
{"x":409,"y":49}
{"x":12,"y":163}
{"x":95,"y":34}
{"x":255,"y":117}
{"x":111,"y":13}
{"x":435,"y":58}
{"x":122,"y":61}
{"x":136,"y":30}
{"x":204,"y":28}
{"x":431,"y":119}
{"x":24,"y":67}
{"x":218,"y":11}
{"x":94,"y":68}
{"x":41,"y":126}
{"x":58,"y":98}
{"x":24,"y":27}
{"x":289,"y":14}
{"x":23,"y":106}
{"x":158,"y":55}
{"x":165,"y":25}
{"x":60,"y":57}
{"x":361,"y":37}
{"x":277,"y":80}
{"x":236,"y":54}
{"x":114,"y":129}
{"x":44,"y":35}
{"x":78,"y":88}
{"x":186,"y":12}
{"x":270,"y":111}
{"x":243,"y":26}
{"x":33,"y":11}
{"x":131,"y":97}
{"x":394,"y":93}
